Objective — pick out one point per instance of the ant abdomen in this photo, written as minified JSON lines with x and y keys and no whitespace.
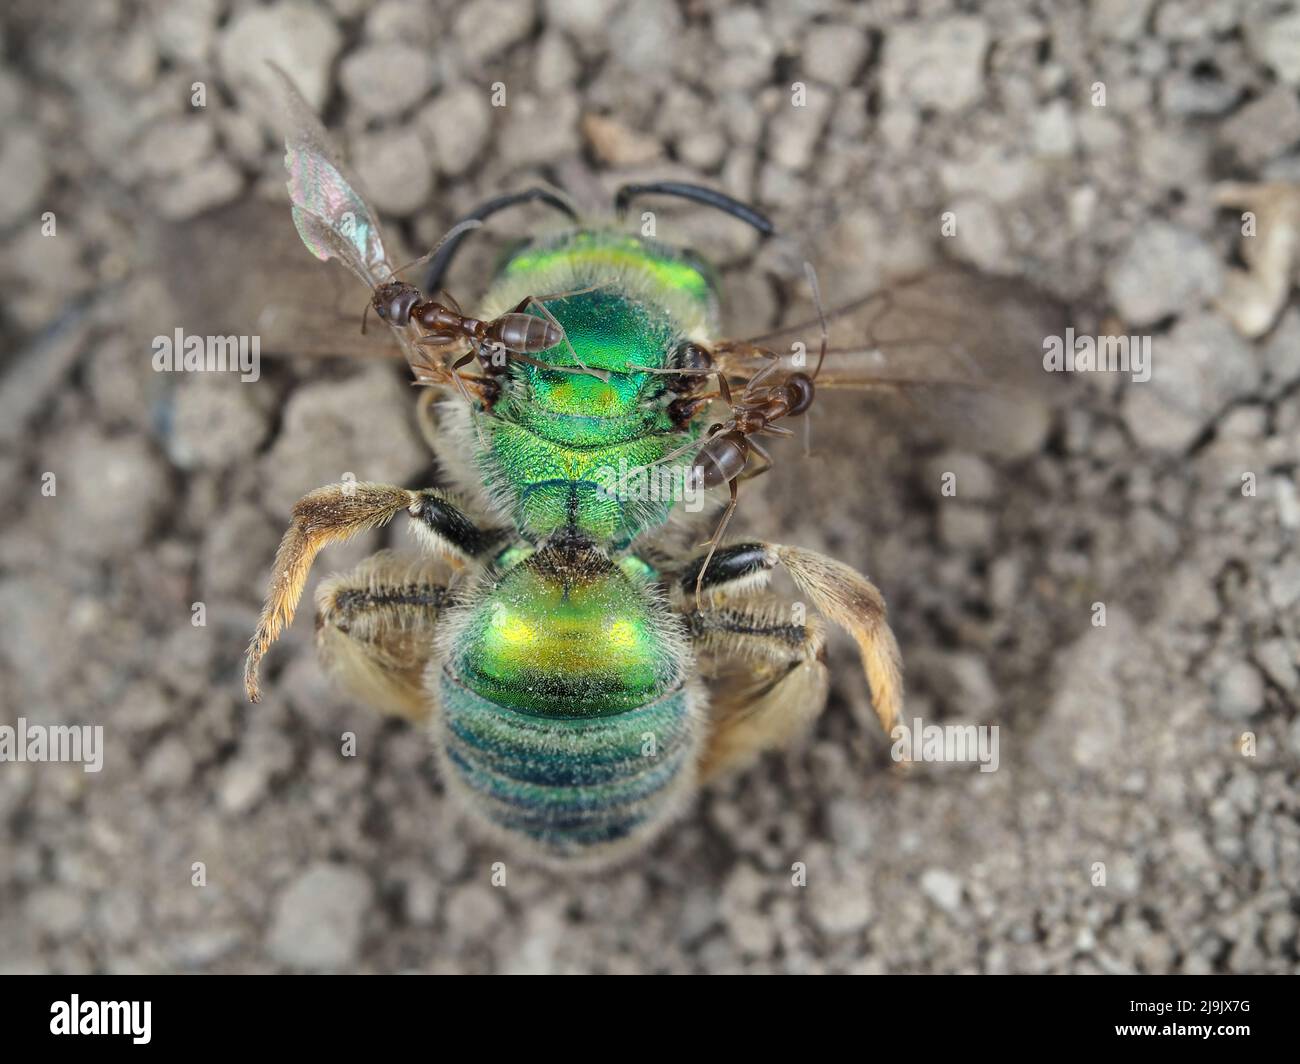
{"x":525,"y":333}
{"x":721,"y":459}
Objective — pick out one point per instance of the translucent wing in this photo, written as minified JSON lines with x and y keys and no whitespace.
{"x":332,"y":219}
{"x":952,"y":327}
{"x":225,"y":283}
{"x":962,"y":351}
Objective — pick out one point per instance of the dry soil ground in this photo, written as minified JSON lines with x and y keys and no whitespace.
{"x":1121,"y":746}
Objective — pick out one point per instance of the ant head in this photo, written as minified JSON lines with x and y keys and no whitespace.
{"x":799,"y":392}
{"x":393,"y":301}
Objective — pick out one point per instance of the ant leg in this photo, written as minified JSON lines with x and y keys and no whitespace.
{"x":546,"y":311}
{"x":443,"y":373}
{"x":430,"y":369}
{"x":435,"y":340}
{"x":724,"y":390}
{"x":713,"y":543}
{"x":766,"y":371}
{"x":424,"y":419}
{"x":339,"y":512}
{"x":687,"y":446}
{"x":551,"y":297}
{"x":811,"y":275}
{"x":750,"y":474}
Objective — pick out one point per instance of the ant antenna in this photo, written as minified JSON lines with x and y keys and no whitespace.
{"x":713,"y":544}
{"x":454,"y":233}
{"x":811,"y":275}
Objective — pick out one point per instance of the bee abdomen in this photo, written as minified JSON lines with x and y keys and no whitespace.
{"x":573,"y":787}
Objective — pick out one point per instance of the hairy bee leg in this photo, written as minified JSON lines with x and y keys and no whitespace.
{"x":375,"y":629}
{"x":840,"y":593}
{"x":735,"y":569}
{"x":769,"y":679}
{"x":337,"y":513}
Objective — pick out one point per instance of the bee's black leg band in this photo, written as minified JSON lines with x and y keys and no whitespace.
{"x":738,"y":563}
{"x":448,"y":529}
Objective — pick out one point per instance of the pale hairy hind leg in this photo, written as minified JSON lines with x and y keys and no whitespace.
{"x":838,"y":592}
{"x":375,"y":629}
{"x":337,"y":513}
{"x":767,"y":678}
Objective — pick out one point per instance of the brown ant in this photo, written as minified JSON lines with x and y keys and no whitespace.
{"x":515,"y":332}
{"x":724,"y":458}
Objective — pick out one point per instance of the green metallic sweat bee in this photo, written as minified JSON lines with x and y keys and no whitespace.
{"x":581,"y":675}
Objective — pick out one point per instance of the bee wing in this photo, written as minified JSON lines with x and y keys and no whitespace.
{"x":962,"y":351}
{"x":224,"y":284}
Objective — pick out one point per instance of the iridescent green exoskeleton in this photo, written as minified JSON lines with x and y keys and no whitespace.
{"x":579,"y":671}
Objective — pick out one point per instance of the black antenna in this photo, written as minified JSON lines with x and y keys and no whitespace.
{"x":697,"y":194}
{"x":442,"y":260}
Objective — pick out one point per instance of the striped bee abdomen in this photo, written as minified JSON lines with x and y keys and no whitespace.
{"x":566,"y":718}
{"x":573,"y":787}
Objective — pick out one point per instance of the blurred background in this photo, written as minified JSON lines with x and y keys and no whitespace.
{"x":1130,"y":163}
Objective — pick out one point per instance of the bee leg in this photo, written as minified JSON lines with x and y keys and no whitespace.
{"x":735,"y":569}
{"x":840,"y":594}
{"x":337,"y":513}
{"x":375,"y":629}
{"x":768,"y":678}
